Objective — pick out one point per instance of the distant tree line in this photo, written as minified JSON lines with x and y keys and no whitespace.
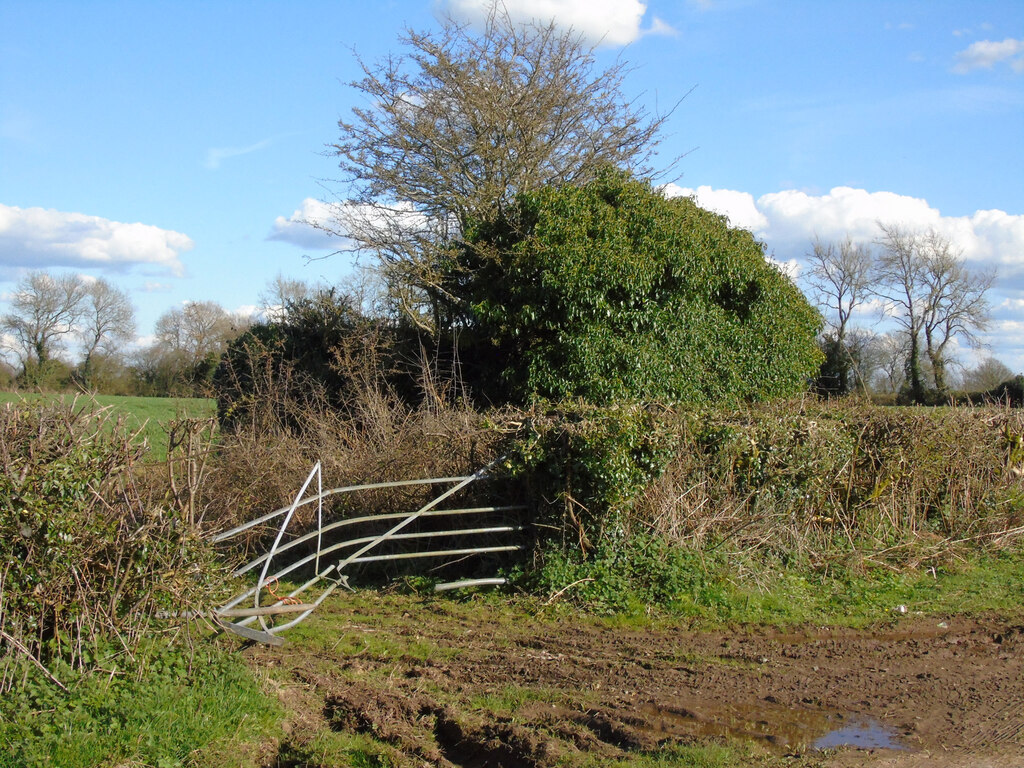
{"x":919,"y":283}
{"x":66,"y":332}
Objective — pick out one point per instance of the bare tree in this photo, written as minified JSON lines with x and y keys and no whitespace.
{"x":284,"y":291}
{"x":107,"y":318}
{"x":196,"y":330}
{"x":956,"y":305}
{"x":933,"y":295}
{"x":459,"y":124}
{"x":840,"y":276}
{"x":986,"y":375}
{"x":44,"y":310}
{"x":189,"y":342}
{"x":892,"y":352}
{"x":899,"y":282}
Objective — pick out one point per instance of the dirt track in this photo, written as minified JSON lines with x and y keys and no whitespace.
{"x":448,"y":683}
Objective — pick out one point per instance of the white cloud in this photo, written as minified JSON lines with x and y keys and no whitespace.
{"x":791,"y":268}
{"x":795,"y":216}
{"x":605,"y":22}
{"x":1013,"y":307}
{"x":985,"y":54}
{"x":144,"y":341}
{"x":246,"y":311}
{"x":872,"y":307}
{"x":1012,"y":327}
{"x":738,"y":207}
{"x":660,"y":27}
{"x":996,"y":237}
{"x":1006,"y":340}
{"x":299,"y":228}
{"x":41,"y":238}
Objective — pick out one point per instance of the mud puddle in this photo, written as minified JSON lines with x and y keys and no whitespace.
{"x":784,"y":729}
{"x":861,"y":733}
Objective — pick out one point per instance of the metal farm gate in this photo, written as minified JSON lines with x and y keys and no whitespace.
{"x":323,"y":554}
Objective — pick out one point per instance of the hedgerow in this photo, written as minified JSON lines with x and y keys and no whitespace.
{"x":89,"y":551}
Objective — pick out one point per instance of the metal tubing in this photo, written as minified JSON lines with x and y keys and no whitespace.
{"x":469,"y":583}
{"x":323,"y":574}
{"x":366,"y":539}
{"x":441,"y":553}
{"x":319,"y":516}
{"x":426,"y":507}
{"x":347,"y":489}
{"x":258,"y":612}
{"x":280,"y":533}
{"x":370,"y":518}
{"x":263,"y":610}
{"x":302,"y":617}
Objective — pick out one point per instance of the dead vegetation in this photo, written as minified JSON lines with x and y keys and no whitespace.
{"x":816,"y":482}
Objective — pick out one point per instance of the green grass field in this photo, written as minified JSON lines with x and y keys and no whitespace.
{"x":150,"y":414}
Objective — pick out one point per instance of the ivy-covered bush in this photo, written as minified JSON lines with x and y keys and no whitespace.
{"x":612,"y":291}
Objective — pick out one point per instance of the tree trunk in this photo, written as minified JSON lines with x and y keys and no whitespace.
{"x":914,"y":370}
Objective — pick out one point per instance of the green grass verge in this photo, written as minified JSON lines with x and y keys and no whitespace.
{"x":984,"y":584}
{"x":148,"y":414}
{"x":169,"y":707}
{"x":708,"y":590}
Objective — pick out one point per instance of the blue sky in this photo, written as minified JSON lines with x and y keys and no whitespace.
{"x":172,"y":147}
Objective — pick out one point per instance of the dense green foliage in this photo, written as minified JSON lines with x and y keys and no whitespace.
{"x":611,"y":291}
{"x":589,"y":463}
{"x":808,"y":482}
{"x":629,"y":574}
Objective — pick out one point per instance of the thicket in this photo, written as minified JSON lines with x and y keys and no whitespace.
{"x":91,"y":545}
{"x":1009,"y":392}
{"x":656,"y":492}
{"x":277,"y":367}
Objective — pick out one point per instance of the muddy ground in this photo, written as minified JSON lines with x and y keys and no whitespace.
{"x":468,"y":684}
